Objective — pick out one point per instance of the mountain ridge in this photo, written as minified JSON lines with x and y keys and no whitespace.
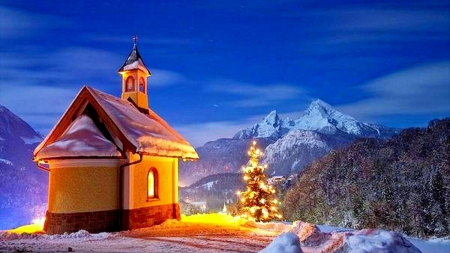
{"x":320,"y":129}
{"x":23,"y":187}
{"x":320,"y":117}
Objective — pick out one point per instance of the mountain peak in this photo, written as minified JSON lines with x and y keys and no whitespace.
{"x":272,"y":119}
{"x":11,"y":126}
{"x":319,"y":116}
{"x":270,"y":126}
{"x":322,"y":117}
{"x":320,"y":103}
{"x":325,"y":110}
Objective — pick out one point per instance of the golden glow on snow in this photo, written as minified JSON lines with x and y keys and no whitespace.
{"x":37,"y":226}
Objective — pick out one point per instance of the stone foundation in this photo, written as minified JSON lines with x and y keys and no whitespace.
{"x":149,"y":216}
{"x":109,"y":221}
{"x":93,"y":222}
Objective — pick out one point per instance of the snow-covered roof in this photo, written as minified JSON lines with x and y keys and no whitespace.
{"x":82,"y":139}
{"x":150,"y":134}
{"x":134,"y":61}
{"x":147,"y":134}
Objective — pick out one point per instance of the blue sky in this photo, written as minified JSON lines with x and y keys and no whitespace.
{"x":219,"y":66}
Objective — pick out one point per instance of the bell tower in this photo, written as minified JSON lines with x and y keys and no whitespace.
{"x":134,"y":79}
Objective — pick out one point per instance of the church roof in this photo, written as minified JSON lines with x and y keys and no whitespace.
{"x":134,"y":61}
{"x":82,"y":139}
{"x":136,"y":131}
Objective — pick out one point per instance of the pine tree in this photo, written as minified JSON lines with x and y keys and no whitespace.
{"x":258,"y":201}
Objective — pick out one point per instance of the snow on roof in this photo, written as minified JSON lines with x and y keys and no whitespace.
{"x":82,"y":139}
{"x":150,"y":134}
{"x":134,"y":61}
{"x":135,"y":65}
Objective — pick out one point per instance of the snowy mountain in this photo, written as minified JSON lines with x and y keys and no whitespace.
{"x":320,"y":117}
{"x":13,"y":127}
{"x":290,"y":144}
{"x":23,"y":188}
{"x":295,"y":150}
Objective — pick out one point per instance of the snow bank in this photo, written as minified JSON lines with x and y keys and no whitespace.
{"x":377,"y":240}
{"x":362,"y":241}
{"x":286,"y":243}
{"x":17,"y":234}
{"x":225,"y":233}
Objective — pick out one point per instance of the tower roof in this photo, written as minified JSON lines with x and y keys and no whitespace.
{"x":134,"y":61}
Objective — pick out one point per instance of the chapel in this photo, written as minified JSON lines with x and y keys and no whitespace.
{"x":112,"y":162}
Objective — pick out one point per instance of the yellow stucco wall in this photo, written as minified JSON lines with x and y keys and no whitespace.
{"x":167,"y":169}
{"x":83,"y":185}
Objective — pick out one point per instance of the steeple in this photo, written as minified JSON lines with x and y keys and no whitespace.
{"x":134,"y":79}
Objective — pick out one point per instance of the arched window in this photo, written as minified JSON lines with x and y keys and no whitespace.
{"x":152,"y":184}
{"x":142,"y":85}
{"x":129,"y":84}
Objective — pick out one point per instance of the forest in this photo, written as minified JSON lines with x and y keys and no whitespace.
{"x":399,"y":184}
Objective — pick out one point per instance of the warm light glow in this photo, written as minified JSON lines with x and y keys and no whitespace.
{"x":151,"y":185}
{"x":37,"y":226}
{"x":39,"y":221}
{"x":257,"y":202}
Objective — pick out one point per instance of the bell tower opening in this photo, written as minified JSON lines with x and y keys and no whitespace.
{"x":129,"y":84}
{"x":142,"y":85}
{"x":134,"y":79}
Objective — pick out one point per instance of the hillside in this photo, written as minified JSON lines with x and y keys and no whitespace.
{"x":23,"y":187}
{"x":213,"y":190}
{"x":399,"y":184}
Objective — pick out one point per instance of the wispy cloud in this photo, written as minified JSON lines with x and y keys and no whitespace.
{"x":377,"y":22}
{"x":417,"y":91}
{"x":253,"y":95}
{"x":17,"y":23}
{"x":40,"y":106}
{"x":41,"y":96}
{"x":385,"y":19}
{"x":200,"y":133}
{"x":161,"y":77}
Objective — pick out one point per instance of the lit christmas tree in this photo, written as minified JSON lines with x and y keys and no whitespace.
{"x":258,"y":201}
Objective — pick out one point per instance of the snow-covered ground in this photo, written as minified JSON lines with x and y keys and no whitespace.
{"x":220,"y":233}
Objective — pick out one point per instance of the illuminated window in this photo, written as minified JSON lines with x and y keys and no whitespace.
{"x":152,"y":184}
{"x":129,"y":84}
{"x":142,"y":85}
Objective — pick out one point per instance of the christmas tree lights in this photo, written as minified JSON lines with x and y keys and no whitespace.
{"x":258,"y":201}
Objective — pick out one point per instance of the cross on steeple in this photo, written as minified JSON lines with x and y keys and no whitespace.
{"x":135,"y":38}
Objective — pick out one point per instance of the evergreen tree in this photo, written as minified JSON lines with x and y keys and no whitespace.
{"x":258,"y":201}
